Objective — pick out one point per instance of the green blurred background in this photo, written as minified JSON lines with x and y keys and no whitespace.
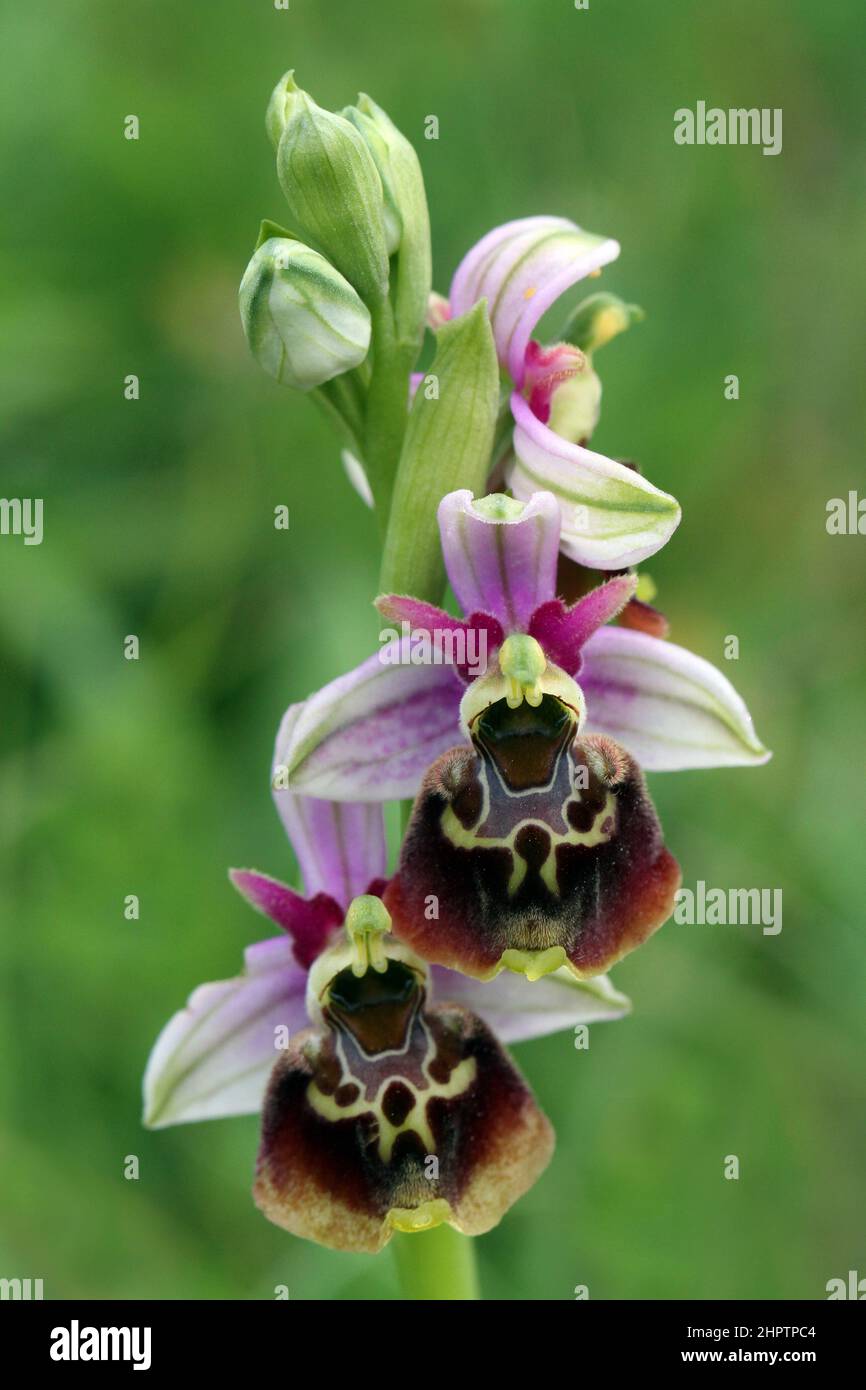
{"x":151,"y":777}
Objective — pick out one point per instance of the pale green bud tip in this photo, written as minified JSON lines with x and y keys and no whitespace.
{"x":378,"y":120}
{"x":600,"y":318}
{"x":498,"y":506}
{"x":304,"y":322}
{"x":283,"y":97}
{"x":370,"y":108}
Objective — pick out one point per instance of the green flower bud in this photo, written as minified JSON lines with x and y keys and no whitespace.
{"x":575,"y":406}
{"x":282,"y":99}
{"x":407,"y":222}
{"x":332,"y":187}
{"x":598,"y":319}
{"x":378,"y":147}
{"x":304,"y":322}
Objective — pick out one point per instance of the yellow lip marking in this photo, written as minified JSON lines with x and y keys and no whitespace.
{"x":533,"y":964}
{"x":459,"y":1081}
{"x":422,"y":1218}
{"x":456,"y":832}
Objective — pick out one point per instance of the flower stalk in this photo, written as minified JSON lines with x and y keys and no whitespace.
{"x":441,"y":1267}
{"x":386,"y":409}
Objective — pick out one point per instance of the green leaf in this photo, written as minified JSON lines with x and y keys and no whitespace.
{"x":448,"y":444}
{"x":269,"y":229}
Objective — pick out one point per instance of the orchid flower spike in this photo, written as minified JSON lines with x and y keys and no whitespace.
{"x":370,"y":1032}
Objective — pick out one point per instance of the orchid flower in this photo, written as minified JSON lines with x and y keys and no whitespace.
{"x":535,"y":835}
{"x":371,"y":734}
{"x":363,"y":1050}
{"x":611,"y":517}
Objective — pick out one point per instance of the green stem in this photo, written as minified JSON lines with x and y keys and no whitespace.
{"x":348,"y":394}
{"x":437,"y":1265}
{"x":340,"y":401}
{"x":387,"y":408}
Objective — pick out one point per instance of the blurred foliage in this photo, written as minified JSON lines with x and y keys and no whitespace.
{"x":151,"y":777}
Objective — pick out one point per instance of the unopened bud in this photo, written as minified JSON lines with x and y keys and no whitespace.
{"x":407,"y":222}
{"x":332,"y":187}
{"x":600,"y":318}
{"x":575,"y":406}
{"x":374,"y":138}
{"x":304,"y":322}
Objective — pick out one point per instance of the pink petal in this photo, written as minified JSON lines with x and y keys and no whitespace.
{"x":522,"y":268}
{"x":309,"y":922}
{"x":503,"y":564}
{"x":611,"y":517}
{"x":670,"y":708}
{"x":517,"y":1011}
{"x":400,"y":608}
{"x":465,"y":645}
{"x":214,"y":1057}
{"x":339,"y":845}
{"x":562,"y":631}
{"x":368,"y":736}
